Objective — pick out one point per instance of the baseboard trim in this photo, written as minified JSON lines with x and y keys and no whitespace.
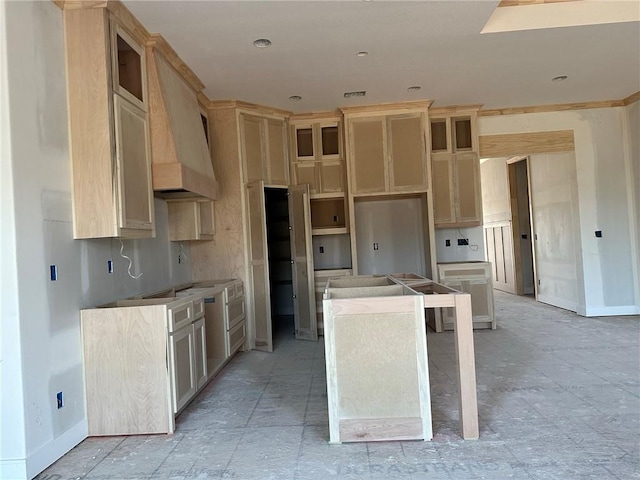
{"x":609,"y":311}
{"x":48,"y":453}
{"x":558,"y":302}
{"x":13,"y":469}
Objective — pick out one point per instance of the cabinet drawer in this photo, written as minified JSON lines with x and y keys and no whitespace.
{"x":230,"y":292}
{"x":180,"y":316}
{"x":235,"y":338}
{"x":198,"y":308}
{"x":235,"y":312}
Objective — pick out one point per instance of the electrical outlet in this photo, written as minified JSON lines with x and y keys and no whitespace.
{"x":60,"y":399}
{"x":109,"y":266}
{"x":599,"y":233}
{"x":321,"y":249}
{"x":463,"y":241}
{"x":53,"y":272}
{"x":375,"y":246}
{"x":335,"y":219}
{"x":179,"y":258}
{"x":447,"y":243}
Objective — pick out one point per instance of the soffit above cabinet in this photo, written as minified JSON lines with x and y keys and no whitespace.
{"x":181,"y":162}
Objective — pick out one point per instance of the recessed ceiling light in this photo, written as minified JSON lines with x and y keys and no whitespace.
{"x":362,"y":54}
{"x":360,"y":93}
{"x":295,"y":98}
{"x":415,"y":88}
{"x":262,"y":43}
{"x":559,"y":78}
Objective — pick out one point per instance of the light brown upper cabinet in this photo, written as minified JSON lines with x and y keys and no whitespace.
{"x":181,"y":161}
{"x":109,"y":127}
{"x":387,"y":151}
{"x":128,"y":66}
{"x":191,"y":219}
{"x":264,"y":153}
{"x":456,"y":190}
{"x":455,"y":168}
{"x":316,"y":152}
{"x":318,"y":161}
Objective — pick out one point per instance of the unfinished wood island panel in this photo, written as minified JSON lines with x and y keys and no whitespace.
{"x":438,"y":296}
{"x":378,"y":381}
{"x":108,"y":128}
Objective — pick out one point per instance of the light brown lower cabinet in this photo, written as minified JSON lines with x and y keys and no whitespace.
{"x":475,"y":279}
{"x":145,"y":359}
{"x":139,"y":364}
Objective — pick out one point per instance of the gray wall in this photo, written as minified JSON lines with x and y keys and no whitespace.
{"x":606,"y":200}
{"x":41,"y":349}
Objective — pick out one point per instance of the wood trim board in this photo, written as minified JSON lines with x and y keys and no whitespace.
{"x":510,"y":144}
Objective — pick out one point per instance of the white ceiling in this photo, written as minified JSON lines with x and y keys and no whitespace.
{"x":435,"y":44}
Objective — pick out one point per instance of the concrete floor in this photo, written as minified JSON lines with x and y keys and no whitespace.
{"x":559,"y":398}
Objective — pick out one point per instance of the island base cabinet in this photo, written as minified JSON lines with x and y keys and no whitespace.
{"x":475,"y":279}
{"x":366,"y":373}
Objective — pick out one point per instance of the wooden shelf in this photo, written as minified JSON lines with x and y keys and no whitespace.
{"x":329,"y":231}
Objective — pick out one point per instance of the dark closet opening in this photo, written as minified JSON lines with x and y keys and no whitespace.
{"x":279,"y":250}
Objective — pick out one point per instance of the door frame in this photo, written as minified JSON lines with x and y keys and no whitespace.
{"x":515,"y":224}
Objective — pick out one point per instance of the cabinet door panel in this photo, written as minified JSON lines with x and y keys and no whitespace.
{"x":128,"y":66}
{"x":331,"y":177}
{"x":441,"y":166}
{"x":408,"y":153}
{"x":260,"y":303}
{"x":133,"y":165}
{"x":302,"y":257}
{"x":252,"y":147}
{"x":183,"y":375}
{"x":207,"y":225}
{"x":467,"y":183}
{"x":367,"y":156}
{"x":200,"y":346}
{"x":307,"y":173}
{"x":278,"y":171}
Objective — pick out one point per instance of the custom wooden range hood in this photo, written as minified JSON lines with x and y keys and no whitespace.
{"x":181,"y":162}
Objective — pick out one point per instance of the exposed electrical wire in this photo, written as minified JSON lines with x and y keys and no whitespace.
{"x":130,"y":262}
{"x":181,"y":252}
{"x":473,"y":248}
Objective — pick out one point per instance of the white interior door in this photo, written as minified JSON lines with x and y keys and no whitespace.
{"x":554,"y":201}
{"x":304,"y":306}
{"x":260,"y":295}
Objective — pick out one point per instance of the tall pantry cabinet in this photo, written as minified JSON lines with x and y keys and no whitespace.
{"x":455,"y":167}
{"x":108,"y":127}
{"x":388,"y":161}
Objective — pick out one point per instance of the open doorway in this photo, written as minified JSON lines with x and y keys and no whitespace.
{"x":280,"y":283}
{"x":518,"y":178}
{"x":279,"y":254}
